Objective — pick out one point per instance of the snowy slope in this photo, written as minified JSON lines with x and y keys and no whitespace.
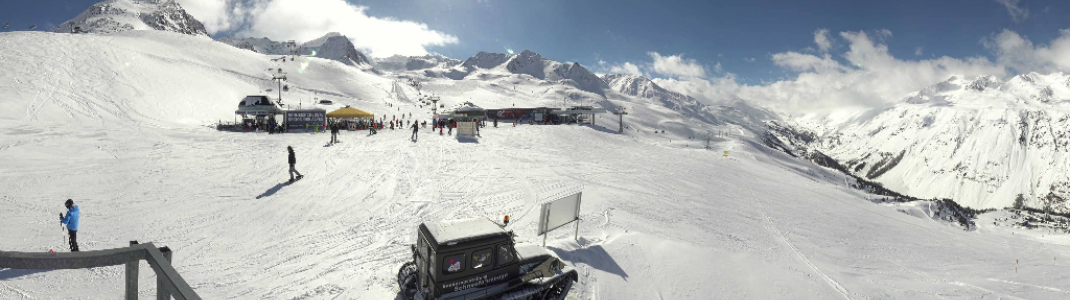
{"x":159,"y":79}
{"x":119,"y":132}
{"x":978,"y":141}
{"x":121,"y":15}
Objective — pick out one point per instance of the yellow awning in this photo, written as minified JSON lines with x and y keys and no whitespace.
{"x":349,"y":112}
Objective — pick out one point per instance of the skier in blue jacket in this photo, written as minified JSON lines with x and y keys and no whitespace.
{"x":71,"y":220}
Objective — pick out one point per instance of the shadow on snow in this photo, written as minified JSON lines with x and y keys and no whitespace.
{"x":594,"y":256}
{"x":272,"y":190}
{"x":6,"y":274}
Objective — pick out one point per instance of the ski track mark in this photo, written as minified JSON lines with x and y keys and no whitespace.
{"x":1047,"y":288}
{"x":783,"y":239}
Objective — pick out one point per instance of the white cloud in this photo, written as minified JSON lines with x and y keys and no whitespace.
{"x":1018,"y":14}
{"x":675,"y":65}
{"x":749,"y":59}
{"x":303,"y":20}
{"x":865,"y":75}
{"x":799,"y":62}
{"x":1018,"y":53}
{"x":216,"y":15}
{"x":708,"y":90}
{"x":626,"y":68}
{"x":871,"y":77}
{"x":823,"y":40}
{"x":884,"y":33}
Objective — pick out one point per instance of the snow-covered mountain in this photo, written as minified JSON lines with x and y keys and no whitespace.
{"x":337,"y":48}
{"x":400,"y":63}
{"x":333,"y":46}
{"x":259,"y":45}
{"x":981,"y":142}
{"x":529,"y":63}
{"x":647,"y":89}
{"x":120,"y":15}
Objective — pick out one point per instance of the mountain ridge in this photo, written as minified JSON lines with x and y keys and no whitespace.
{"x":121,"y":15}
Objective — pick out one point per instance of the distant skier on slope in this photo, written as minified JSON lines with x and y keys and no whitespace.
{"x":71,"y":220}
{"x":293,"y":160}
{"x":415,"y":128}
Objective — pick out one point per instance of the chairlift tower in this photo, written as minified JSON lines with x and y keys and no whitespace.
{"x":620,"y":112}
{"x":279,"y":78}
{"x":434,"y":106}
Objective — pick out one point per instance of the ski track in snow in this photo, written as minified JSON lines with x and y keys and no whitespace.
{"x":783,"y":239}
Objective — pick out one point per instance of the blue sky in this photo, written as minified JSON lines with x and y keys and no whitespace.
{"x":710,"y":32}
{"x":737,"y":46}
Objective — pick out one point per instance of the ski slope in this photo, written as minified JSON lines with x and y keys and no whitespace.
{"x":661,"y":219}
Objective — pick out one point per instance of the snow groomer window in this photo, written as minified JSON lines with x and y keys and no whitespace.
{"x":504,"y":255}
{"x":453,"y":264}
{"x":481,"y":258}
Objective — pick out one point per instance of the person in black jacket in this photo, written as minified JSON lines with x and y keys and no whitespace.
{"x":293,"y":160}
{"x":334,"y":133}
{"x":415,"y":127}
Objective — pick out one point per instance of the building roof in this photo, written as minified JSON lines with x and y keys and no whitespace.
{"x":445,"y":232}
{"x":349,"y":112}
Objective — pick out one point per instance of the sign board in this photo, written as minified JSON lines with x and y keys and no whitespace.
{"x":466,"y":128}
{"x":559,"y":212}
{"x":297,"y":119}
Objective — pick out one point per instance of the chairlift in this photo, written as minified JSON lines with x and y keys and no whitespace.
{"x":286,"y":88}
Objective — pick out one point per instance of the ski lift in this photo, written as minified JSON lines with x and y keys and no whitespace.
{"x":286,"y":88}
{"x":6,"y":25}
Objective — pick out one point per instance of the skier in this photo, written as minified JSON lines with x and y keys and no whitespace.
{"x":414,"y":130}
{"x":71,"y":220}
{"x":293,"y":160}
{"x":449,"y":126}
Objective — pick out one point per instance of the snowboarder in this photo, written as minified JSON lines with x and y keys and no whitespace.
{"x":334,"y":133}
{"x":414,"y":130}
{"x":71,"y":220}
{"x":293,"y":160}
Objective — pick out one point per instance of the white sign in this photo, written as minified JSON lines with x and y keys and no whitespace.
{"x":559,"y":212}
{"x":466,"y":128}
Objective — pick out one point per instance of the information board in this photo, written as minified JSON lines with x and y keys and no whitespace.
{"x":559,"y":212}
{"x":297,"y":119}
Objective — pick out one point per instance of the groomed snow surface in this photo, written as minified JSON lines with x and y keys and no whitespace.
{"x":115,"y":122}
